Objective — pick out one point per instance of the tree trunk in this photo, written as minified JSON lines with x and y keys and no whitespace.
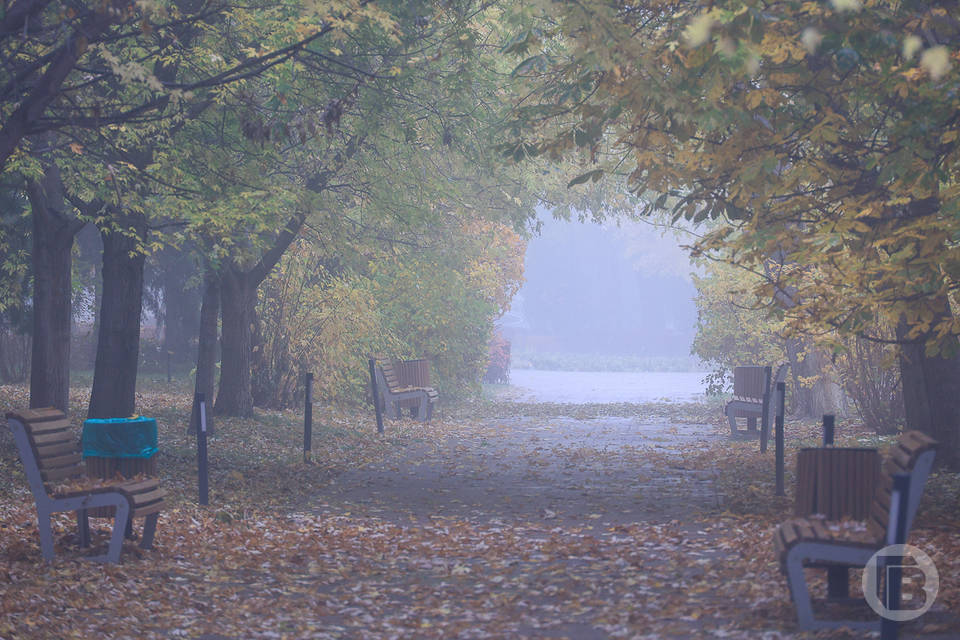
{"x":53,"y":233}
{"x":118,"y":339}
{"x":825,"y":395}
{"x":207,"y":345}
{"x":88,"y":255}
{"x":238,"y":297}
{"x":238,"y":301}
{"x":931,"y":400}
{"x":180,"y":303}
{"x":264,"y":386}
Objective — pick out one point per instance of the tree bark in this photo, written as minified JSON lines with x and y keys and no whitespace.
{"x":118,"y":338}
{"x":238,"y":300}
{"x":238,"y":297}
{"x":931,"y":400}
{"x":179,"y":311}
{"x":207,"y":345}
{"x":53,"y":234}
{"x":825,"y":395}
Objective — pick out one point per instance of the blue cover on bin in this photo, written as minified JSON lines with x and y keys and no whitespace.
{"x":119,"y":437}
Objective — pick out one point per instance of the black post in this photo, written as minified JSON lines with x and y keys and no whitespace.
{"x":889,"y":629}
{"x":838,"y":578}
{"x":376,"y":396}
{"x":202,"y":470}
{"x":828,"y":422}
{"x":308,"y":419}
{"x":778,"y":437}
{"x":765,"y":410}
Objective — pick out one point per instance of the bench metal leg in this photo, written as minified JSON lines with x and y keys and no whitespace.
{"x":799,"y":591}
{"x":120,"y":520}
{"x":83,"y":528}
{"x":149,"y":529}
{"x":838,"y":583}
{"x":820,"y":552}
{"x":46,"y":534}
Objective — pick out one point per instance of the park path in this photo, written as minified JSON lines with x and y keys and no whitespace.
{"x":608,"y":470}
{"x":598,"y":524}
{"x":554,"y":526}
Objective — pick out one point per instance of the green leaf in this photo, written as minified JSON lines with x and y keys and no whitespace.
{"x":594,"y":176}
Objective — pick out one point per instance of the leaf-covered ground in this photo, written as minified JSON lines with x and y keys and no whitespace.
{"x":497,"y":520}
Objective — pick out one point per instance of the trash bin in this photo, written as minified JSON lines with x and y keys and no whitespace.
{"x":127,"y":446}
{"x":836,"y":482}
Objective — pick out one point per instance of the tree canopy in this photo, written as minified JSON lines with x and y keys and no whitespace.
{"x":822,"y":138}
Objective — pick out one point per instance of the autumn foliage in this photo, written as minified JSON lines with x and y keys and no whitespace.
{"x":434,"y":297}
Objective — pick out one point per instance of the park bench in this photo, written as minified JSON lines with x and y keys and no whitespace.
{"x":53,"y":463}
{"x":753,"y":395}
{"x":838,"y":546}
{"x":392,"y":393}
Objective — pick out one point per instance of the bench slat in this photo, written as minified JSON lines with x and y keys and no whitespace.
{"x":902,"y":457}
{"x":140,"y":486}
{"x":821,"y":532}
{"x":63,"y":473}
{"x":142,"y":499}
{"x":57,"y":449}
{"x":789,"y":534}
{"x":54,"y":462}
{"x":146,"y":510}
{"x":52,"y":438}
{"x":37,"y":428}
{"x":891,"y":467}
{"x":779,"y":548}
{"x":916,"y":442}
{"x":36,"y":415}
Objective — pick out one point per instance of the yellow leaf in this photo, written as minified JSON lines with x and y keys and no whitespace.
{"x":754,"y":98}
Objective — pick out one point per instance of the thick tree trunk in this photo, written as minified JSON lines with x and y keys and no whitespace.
{"x":931,"y":399}
{"x":264,"y":387}
{"x":118,"y":339}
{"x":88,"y":255}
{"x":825,"y":395}
{"x":207,"y":345}
{"x":180,"y":303}
{"x":238,"y":301}
{"x":238,"y":297}
{"x":53,"y":234}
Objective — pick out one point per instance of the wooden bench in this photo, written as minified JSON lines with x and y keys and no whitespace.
{"x":753,"y":396}
{"x":392,"y":393}
{"x":813,"y":542}
{"x":51,"y":458}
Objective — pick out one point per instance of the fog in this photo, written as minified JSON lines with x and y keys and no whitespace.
{"x":604,"y":290}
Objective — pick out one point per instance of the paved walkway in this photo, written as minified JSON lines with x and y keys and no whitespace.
{"x":602,"y":471}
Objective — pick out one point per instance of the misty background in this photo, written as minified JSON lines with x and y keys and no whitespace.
{"x":603,"y":297}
